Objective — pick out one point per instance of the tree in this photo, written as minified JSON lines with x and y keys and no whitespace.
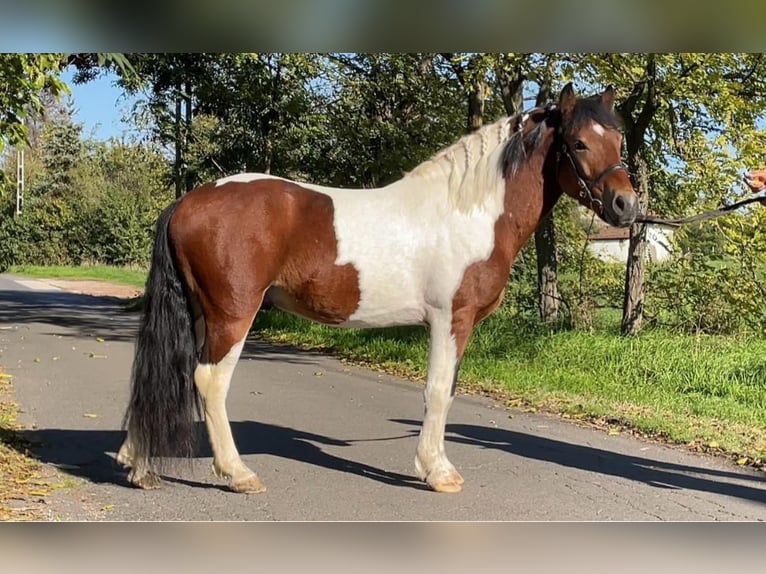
{"x":687,"y":119}
{"x":262,"y":111}
{"x":385,"y":113}
{"x":545,"y":234}
{"x":60,"y":152}
{"x":172,"y":80}
{"x":24,"y":79}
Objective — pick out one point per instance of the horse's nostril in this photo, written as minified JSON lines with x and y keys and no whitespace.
{"x":619,"y":203}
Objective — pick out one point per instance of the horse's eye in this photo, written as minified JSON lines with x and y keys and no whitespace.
{"x":580,"y":146}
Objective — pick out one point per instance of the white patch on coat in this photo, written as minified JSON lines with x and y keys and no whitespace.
{"x":242,"y":178}
{"x":598,"y":128}
{"x":212,"y":382}
{"x":412,"y":240}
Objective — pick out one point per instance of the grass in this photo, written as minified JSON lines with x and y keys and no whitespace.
{"x":708,"y":392}
{"x":132,"y":277}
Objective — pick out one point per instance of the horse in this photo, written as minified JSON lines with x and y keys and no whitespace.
{"x":433,"y":248}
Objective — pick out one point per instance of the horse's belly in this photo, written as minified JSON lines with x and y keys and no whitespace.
{"x":387,"y":316}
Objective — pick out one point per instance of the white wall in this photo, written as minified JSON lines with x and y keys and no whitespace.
{"x":617,"y":249}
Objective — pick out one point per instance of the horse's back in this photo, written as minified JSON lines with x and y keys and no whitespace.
{"x":236,"y":240}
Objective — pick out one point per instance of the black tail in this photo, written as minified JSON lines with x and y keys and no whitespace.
{"x":163,"y":401}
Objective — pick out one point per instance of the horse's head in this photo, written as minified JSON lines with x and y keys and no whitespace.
{"x":590,"y":169}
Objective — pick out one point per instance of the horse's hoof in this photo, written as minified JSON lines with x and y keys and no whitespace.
{"x":445,"y":486}
{"x":149,"y":481}
{"x":250,"y":485}
{"x":451,"y":482}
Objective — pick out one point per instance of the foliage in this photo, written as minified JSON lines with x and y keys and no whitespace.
{"x":385,"y":115}
{"x":690,"y":119}
{"x":361,"y":120}
{"x":24,"y":78}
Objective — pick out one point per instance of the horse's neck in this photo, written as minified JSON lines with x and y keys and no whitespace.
{"x":529,"y":197}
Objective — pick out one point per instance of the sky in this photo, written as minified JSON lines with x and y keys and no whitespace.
{"x":100,"y":106}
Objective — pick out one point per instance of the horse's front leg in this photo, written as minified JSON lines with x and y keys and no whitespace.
{"x":448,"y":339}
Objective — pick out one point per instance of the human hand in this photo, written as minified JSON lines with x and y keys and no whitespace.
{"x":756,"y":180}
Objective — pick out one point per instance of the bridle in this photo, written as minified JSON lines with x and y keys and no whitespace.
{"x":586,"y":186}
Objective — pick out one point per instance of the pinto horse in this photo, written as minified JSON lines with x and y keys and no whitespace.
{"x":433,"y":248}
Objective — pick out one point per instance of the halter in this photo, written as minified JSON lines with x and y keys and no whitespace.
{"x":586,"y":186}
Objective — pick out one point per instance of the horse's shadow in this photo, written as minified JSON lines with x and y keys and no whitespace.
{"x":656,"y":473}
{"x":87,"y":454}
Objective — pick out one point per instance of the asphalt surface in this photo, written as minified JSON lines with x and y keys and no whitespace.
{"x":331,"y":442}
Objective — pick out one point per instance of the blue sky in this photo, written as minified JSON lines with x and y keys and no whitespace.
{"x":100,"y":106}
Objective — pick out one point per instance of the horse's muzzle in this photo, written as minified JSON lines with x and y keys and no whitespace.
{"x":620,"y":208}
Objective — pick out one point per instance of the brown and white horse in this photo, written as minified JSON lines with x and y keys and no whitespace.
{"x":433,"y":248}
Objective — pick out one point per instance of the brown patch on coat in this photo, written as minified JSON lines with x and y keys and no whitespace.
{"x":529,"y":196}
{"x":235,"y":241}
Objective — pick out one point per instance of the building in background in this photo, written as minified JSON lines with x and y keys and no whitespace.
{"x":611,"y":243}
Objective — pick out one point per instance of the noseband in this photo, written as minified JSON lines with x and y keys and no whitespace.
{"x":587,"y":186}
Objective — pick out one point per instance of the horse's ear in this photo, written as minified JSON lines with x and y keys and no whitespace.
{"x":607,"y":98}
{"x":567,"y":99}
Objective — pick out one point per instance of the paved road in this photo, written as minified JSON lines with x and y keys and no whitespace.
{"x":331,"y":442}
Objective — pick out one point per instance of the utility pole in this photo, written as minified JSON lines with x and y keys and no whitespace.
{"x":19,"y":178}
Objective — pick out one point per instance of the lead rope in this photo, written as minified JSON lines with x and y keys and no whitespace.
{"x":723,"y":210}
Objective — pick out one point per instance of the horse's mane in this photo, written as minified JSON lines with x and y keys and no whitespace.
{"x":521,"y":145}
{"x":477,"y":164}
{"x":469,"y":165}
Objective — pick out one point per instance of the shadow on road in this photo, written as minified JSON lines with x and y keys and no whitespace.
{"x":98,"y":316}
{"x":87,"y":453}
{"x":85,"y":314}
{"x":652,"y":472}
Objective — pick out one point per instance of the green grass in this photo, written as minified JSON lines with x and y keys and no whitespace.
{"x":132,"y":277}
{"x":707,"y":391}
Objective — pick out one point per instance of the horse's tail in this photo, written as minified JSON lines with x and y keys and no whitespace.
{"x":163,"y":401}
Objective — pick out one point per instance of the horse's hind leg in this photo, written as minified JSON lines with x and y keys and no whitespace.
{"x":223,"y":344}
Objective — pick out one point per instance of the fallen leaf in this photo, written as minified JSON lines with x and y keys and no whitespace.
{"x":107,"y":507}
{"x":38,"y":492}
{"x":95,"y":356}
{"x":613,"y":432}
{"x":90,"y":415}
{"x":99,"y":339}
{"x":713,"y":444}
{"x":742,"y":461}
{"x":319,"y":374}
{"x":37,"y":359}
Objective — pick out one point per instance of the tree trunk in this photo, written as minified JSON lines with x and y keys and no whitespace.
{"x":188,"y":176}
{"x":178,"y":163}
{"x":547,"y":269}
{"x":633,"y":301}
{"x":476,"y":106}
{"x":545,"y":235}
